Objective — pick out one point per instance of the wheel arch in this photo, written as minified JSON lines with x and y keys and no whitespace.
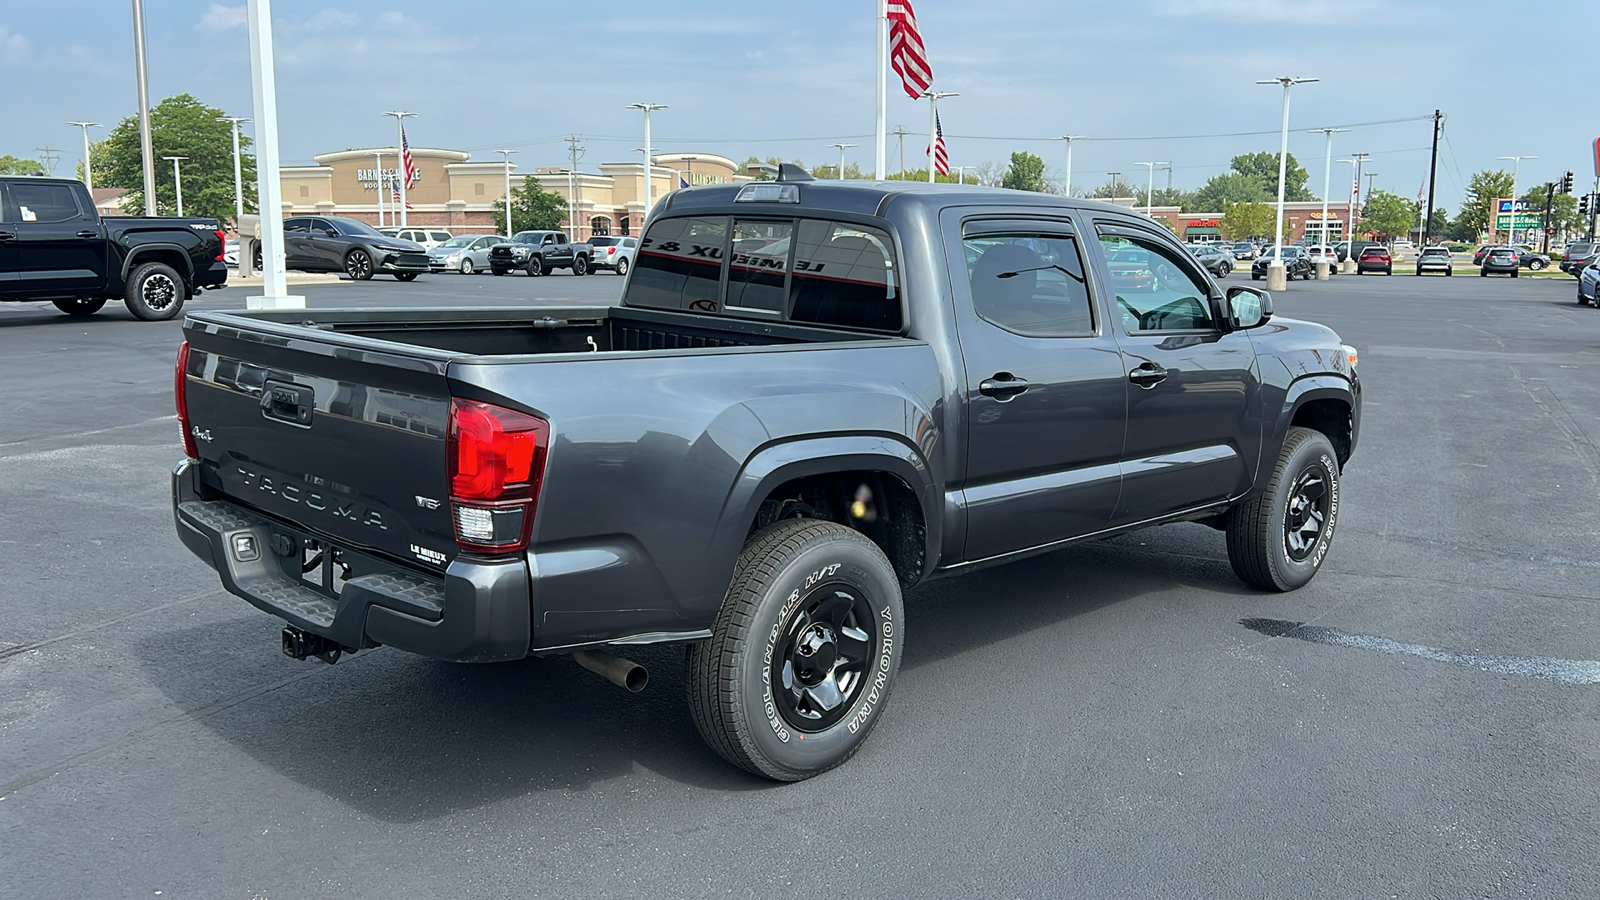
{"x":172,"y":255}
{"x":1326,"y":403}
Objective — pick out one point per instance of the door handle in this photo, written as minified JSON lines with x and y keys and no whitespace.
{"x":1148,"y":375}
{"x":88,"y":234}
{"x":7,"y":236}
{"x":1003,"y":386}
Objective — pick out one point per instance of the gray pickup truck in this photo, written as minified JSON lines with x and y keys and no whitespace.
{"x":540,"y":253}
{"x":813,"y":396}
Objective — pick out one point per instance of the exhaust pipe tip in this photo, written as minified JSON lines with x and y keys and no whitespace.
{"x":624,"y":673}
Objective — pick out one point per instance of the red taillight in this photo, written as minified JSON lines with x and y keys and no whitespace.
{"x":222,"y":245}
{"x":180,"y":394}
{"x":496,"y":463}
{"x":610,"y":250}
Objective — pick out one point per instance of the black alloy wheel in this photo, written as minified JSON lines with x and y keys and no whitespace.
{"x":155,"y":292}
{"x":580,"y":266}
{"x":1307,"y":514}
{"x":535,"y":269}
{"x":1278,"y":539}
{"x":358,"y":265}
{"x":827,"y":644}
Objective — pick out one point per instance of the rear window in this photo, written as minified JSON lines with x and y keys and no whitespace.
{"x":1579,"y":249}
{"x":439,"y":235}
{"x":816,"y":271}
{"x":42,"y":203}
{"x":602,"y":241}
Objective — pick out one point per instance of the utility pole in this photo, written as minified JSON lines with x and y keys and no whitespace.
{"x":507,"y":155}
{"x":1369,"y":176}
{"x":900,"y":132}
{"x":1433,"y":168}
{"x":574,"y":153}
{"x":1116,"y":182}
{"x":177,"y":179}
{"x":400,"y":149}
{"x":88,"y":176}
{"x":1549,"y":197}
{"x":842,"y":147}
{"x":147,"y":155}
{"x":238,"y":171}
{"x":49,"y":155}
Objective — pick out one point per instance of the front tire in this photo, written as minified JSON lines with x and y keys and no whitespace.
{"x":466,"y":267}
{"x":406,"y":276}
{"x":79,"y":306}
{"x":155,"y":292}
{"x":580,"y":266}
{"x":1278,"y":539}
{"x":358,"y":265}
{"x":1536,"y":265}
{"x":535,"y":268}
{"x":803,"y":653}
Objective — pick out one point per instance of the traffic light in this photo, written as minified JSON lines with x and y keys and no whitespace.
{"x":1583,"y":204}
{"x":1566,"y":183}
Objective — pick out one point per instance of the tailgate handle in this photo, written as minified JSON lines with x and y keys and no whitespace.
{"x":291,"y":403}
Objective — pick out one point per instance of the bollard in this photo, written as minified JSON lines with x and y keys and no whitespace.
{"x":1322,"y":270}
{"x":1277,"y":276}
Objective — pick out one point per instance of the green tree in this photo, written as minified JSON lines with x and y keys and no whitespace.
{"x":1114,"y":189}
{"x":179,"y":126}
{"x":1262,"y":167}
{"x":1388,"y":215}
{"x":1564,"y":216}
{"x":1230,"y":187}
{"x":1246,"y":220}
{"x":1026,"y":173}
{"x":1178,"y":197}
{"x":532,"y":208}
{"x":16,"y":165}
{"x":1483,"y":188}
{"x":922,"y":175}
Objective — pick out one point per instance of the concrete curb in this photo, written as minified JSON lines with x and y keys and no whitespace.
{"x":235,"y":281}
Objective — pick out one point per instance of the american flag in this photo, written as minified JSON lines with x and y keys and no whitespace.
{"x":407,"y":164}
{"x":941,"y":159}
{"x":394,"y":187}
{"x":906,"y":52}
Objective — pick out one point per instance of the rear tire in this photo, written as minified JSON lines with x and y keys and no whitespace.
{"x":155,"y":292}
{"x":1278,"y":540}
{"x":1515,"y":273}
{"x":622,"y":266}
{"x":803,"y":653}
{"x":494,"y":271}
{"x":580,"y":266}
{"x":80,"y":306}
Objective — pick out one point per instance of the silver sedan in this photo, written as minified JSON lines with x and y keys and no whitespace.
{"x":464,"y":253}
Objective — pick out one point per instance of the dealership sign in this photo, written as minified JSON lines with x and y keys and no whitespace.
{"x":1505,"y":206}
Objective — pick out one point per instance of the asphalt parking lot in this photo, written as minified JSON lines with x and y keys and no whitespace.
{"x":1120,"y":718}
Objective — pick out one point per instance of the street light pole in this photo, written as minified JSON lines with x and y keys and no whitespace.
{"x":1149,"y":186}
{"x":177,"y":180}
{"x":1327,"y":177}
{"x":400,"y":157}
{"x":649,"y":163}
{"x":1069,"y":138}
{"x":238,"y":170}
{"x":933,"y":123}
{"x":147,"y":155}
{"x":1277,"y":278}
{"x":507,"y":155}
{"x":842,"y":148}
{"x":88,"y":177}
{"x":1511,"y":221}
{"x":269,"y":189}
{"x":961,"y":173}
{"x":377,"y":157}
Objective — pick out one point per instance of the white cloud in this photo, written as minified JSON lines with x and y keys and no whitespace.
{"x":332,"y":18}
{"x":221,"y":18}
{"x":13,"y":46}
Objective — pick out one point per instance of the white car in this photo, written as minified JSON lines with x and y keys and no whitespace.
{"x":464,"y":253}
{"x":428,"y":238}
{"x":230,"y":254}
{"x":613,"y":252}
{"x":1324,"y":253}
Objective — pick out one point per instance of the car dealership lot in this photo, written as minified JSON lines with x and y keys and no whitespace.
{"x":1095,"y":722}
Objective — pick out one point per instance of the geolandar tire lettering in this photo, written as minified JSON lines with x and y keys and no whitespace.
{"x":1278,"y":540}
{"x":803,"y":654}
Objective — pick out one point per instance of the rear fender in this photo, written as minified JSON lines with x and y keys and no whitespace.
{"x":159,"y":252}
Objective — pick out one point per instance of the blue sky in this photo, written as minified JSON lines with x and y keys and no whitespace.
{"x":788,"y":79}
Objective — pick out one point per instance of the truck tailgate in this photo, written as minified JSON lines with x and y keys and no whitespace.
{"x":345,"y":439}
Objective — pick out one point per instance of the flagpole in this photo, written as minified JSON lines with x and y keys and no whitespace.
{"x":883,"y":93}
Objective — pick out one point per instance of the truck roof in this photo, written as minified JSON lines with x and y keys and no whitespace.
{"x":873,"y":197}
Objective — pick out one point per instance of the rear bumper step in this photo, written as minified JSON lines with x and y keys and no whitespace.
{"x":477,"y":612}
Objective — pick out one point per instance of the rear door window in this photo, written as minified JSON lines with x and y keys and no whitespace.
{"x":1030,"y":284}
{"x":44,"y":203}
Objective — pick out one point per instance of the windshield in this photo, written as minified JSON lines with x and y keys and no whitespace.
{"x":456,"y":242}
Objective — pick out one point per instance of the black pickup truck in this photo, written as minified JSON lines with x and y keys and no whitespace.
{"x":812,"y":397}
{"x":539,"y":253}
{"x":54,"y":246}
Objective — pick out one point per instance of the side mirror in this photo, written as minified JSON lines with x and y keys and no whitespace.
{"x":1248,"y":307}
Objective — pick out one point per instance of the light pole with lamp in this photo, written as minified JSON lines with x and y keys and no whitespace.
{"x":1149,"y":186}
{"x":506,"y":154}
{"x":1069,"y":138}
{"x":649,"y":163}
{"x":177,"y":179}
{"x":1511,"y":221}
{"x":147,"y":154}
{"x":933,"y":123}
{"x":400,"y":159}
{"x":88,"y":177}
{"x":1276,"y":279}
{"x":238,"y":170}
{"x":1325,"y":265}
{"x":842,"y":148}
{"x":377,"y":159}
{"x":961,"y":173}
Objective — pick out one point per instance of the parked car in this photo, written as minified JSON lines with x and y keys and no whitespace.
{"x":1323,"y":253}
{"x":55,"y":247}
{"x":1589,"y":285}
{"x":1436,"y":259}
{"x":1295,"y":262}
{"x":614,"y":252}
{"x":1503,"y":260}
{"x":1374,"y":258}
{"x":1217,"y":261}
{"x":464,"y":253}
{"x":760,"y":459}
{"x":540,"y":252}
{"x":1400,"y":249}
{"x":426,"y":238}
{"x":230,"y":253}
{"x":338,"y":244}
{"x":1530,"y":259}
{"x":1578,"y":255}
{"x":1242,"y":250}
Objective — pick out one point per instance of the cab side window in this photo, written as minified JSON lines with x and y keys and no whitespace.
{"x":297,"y":225}
{"x":1029,"y":284}
{"x":44,"y":203}
{"x":1155,"y":290}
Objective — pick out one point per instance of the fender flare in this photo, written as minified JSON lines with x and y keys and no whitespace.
{"x":776,"y":464}
{"x":136,"y":252}
{"x":1324,"y":386}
